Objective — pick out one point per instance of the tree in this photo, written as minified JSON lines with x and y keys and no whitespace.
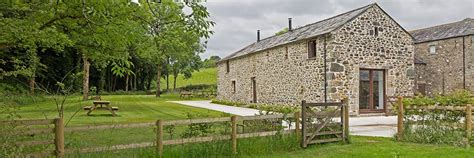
{"x":211,"y":62}
{"x":23,"y":36}
{"x":168,"y":19}
{"x":100,"y":30}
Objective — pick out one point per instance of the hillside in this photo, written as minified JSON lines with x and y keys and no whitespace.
{"x":203,"y":76}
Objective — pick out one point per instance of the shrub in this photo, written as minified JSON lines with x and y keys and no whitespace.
{"x":230,"y":103}
{"x":436,"y":126}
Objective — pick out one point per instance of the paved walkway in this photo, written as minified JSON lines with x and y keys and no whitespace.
{"x":380,"y":126}
{"x":217,"y":107}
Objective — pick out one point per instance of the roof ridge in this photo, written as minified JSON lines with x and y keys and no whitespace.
{"x":332,"y":17}
{"x":440,"y":25}
{"x":362,"y":9}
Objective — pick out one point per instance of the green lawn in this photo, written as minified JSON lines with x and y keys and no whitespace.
{"x":203,"y":76}
{"x":146,"y":108}
{"x":132,"y":108}
{"x":360,"y":147}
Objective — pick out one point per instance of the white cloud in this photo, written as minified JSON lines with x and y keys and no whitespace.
{"x":238,"y":20}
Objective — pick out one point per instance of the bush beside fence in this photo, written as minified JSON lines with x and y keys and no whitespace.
{"x":434,"y":123}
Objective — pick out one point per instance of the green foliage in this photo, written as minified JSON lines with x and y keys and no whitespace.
{"x":456,"y":98}
{"x":226,"y":102}
{"x":211,"y":62}
{"x":285,"y":30}
{"x":436,"y":126}
{"x":197,"y":129}
{"x":122,"y":68}
{"x":114,"y":36}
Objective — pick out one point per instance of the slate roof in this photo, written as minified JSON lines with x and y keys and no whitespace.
{"x":304,"y":32}
{"x":455,"y":29}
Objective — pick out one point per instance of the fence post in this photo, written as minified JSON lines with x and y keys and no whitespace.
{"x":234,"y":134}
{"x":297,"y":124}
{"x":345,"y":109}
{"x":159,"y":137}
{"x":469,"y":124}
{"x":59,"y":137}
{"x":303,"y":124}
{"x":400,"y":118}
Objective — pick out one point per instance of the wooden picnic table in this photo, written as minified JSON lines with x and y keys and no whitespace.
{"x":101,"y":105}
{"x":185,"y":94}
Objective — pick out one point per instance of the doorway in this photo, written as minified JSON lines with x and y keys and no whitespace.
{"x":372,"y":90}
{"x":254,"y":90}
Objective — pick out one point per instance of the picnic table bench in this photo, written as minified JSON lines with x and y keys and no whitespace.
{"x":185,"y":94}
{"x":101,"y":105}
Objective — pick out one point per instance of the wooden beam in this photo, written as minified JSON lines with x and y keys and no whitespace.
{"x":400,"y":119}
{"x":59,"y":137}
{"x":234,"y":134}
{"x":159,"y":137}
{"x":28,"y":122}
{"x":468,"y":121}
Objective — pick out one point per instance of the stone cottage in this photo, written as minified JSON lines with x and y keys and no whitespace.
{"x":445,"y":55}
{"x":363,"y":54}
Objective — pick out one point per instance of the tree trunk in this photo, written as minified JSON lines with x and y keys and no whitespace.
{"x":32,"y":85}
{"x":175,"y":76}
{"x":148,"y":83}
{"x":114,"y":83}
{"x":85,"y":79}
{"x":135,"y":82}
{"x":167,"y":82}
{"x":102,"y":80}
{"x":158,"y":79}
{"x":126,"y":83}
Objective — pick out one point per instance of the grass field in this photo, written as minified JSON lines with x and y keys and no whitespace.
{"x":132,"y":108}
{"x":204,"y":76}
{"x":360,"y":147}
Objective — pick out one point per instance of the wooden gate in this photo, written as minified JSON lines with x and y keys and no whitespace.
{"x":324,"y":122}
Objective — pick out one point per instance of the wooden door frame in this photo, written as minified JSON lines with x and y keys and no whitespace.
{"x":371,"y":108}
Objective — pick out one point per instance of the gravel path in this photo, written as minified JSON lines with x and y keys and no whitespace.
{"x":380,"y":126}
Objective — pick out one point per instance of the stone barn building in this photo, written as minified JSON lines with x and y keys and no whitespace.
{"x":445,"y":55}
{"x":363,"y":54}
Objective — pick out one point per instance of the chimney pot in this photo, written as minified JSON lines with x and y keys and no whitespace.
{"x":289,"y":25}
{"x":258,"y":35}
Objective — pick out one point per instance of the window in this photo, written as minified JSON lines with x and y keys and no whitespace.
{"x":233,"y":86}
{"x":227,"y":66}
{"x":472,"y":41}
{"x":432,"y":49}
{"x":312,"y":49}
{"x":286,"y":53}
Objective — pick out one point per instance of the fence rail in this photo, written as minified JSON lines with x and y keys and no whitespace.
{"x":467,"y":109}
{"x":59,"y":131}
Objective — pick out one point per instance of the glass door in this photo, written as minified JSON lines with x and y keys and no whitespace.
{"x":371,"y":90}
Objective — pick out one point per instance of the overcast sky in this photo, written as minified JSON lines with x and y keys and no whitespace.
{"x":238,"y":20}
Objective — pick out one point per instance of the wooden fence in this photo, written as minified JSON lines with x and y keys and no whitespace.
{"x":59,"y":131}
{"x":468,"y":121}
{"x":319,"y":125}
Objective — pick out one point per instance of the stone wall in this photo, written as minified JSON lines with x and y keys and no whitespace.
{"x":285,"y":75}
{"x":355,"y":47}
{"x":444,"y":70}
